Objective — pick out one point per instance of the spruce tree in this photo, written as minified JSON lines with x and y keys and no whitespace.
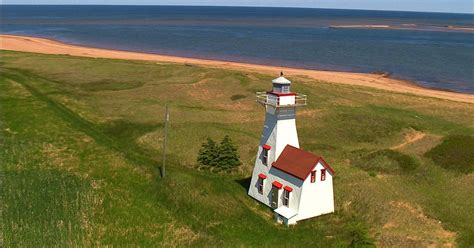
{"x":228,"y":158}
{"x":208,"y":153}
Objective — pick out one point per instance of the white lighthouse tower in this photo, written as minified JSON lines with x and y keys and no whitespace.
{"x":281,"y":168}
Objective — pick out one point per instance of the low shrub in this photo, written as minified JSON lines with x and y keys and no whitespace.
{"x":456,"y":153}
{"x":360,"y":235}
{"x":387,"y":161}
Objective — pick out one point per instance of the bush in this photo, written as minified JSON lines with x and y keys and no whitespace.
{"x":387,"y":161}
{"x":456,"y":153}
{"x":222,"y":157}
{"x":360,"y":235}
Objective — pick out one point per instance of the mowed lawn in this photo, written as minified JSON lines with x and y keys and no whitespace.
{"x":81,"y":146}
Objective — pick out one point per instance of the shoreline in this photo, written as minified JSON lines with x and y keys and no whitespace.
{"x":49,"y":46}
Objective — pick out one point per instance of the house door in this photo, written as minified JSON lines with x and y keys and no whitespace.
{"x":274,"y":200}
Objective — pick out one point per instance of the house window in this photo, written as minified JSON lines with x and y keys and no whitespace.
{"x":274,"y":200}
{"x":286,"y":198}
{"x":260,"y":185}
{"x":313,"y":176}
{"x":285,"y":89}
{"x":261,"y":177}
{"x":323,"y":174}
{"x":276,"y":186}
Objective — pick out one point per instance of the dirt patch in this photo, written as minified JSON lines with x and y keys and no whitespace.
{"x":152,"y":140}
{"x":178,"y":236}
{"x":18,"y":89}
{"x":58,"y":157}
{"x":410,"y":138}
{"x":416,"y":228}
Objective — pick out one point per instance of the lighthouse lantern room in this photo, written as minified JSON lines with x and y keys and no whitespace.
{"x":285,"y":177}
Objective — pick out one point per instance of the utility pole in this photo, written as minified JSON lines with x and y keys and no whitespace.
{"x":167,"y":118}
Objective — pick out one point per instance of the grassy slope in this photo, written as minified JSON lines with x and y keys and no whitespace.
{"x":81,"y":143}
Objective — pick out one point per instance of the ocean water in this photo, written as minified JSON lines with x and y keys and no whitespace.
{"x":292,"y":37}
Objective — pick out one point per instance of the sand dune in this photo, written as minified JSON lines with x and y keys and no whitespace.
{"x":47,"y":46}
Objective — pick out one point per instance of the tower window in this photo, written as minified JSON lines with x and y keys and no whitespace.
{"x":265,"y":157}
{"x":323,"y":174}
{"x":285,"y":89}
{"x":313,"y":176}
{"x":265,"y":150}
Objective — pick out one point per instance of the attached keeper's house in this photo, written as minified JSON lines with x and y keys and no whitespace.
{"x":296,"y":184}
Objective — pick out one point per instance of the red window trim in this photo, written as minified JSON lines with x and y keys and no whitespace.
{"x":288,"y":188}
{"x":313,"y":176}
{"x":323,"y":174}
{"x":277,"y":184}
{"x":262,"y":176}
{"x":266,"y":147}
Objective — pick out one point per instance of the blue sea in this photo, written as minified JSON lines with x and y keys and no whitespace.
{"x":422,"y":49}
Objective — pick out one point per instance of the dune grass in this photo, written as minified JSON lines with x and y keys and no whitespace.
{"x":81,"y":145}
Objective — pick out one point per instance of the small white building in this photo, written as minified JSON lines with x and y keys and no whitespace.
{"x":296,"y":184}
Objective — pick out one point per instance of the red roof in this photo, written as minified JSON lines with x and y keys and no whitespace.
{"x":298,"y":163}
{"x":277,"y":184}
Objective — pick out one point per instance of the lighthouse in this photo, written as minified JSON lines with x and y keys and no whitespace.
{"x":285,"y":178}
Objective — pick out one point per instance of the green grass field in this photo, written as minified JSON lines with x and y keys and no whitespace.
{"x":81,"y":150}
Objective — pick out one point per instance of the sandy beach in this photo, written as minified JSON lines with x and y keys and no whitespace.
{"x":47,"y":46}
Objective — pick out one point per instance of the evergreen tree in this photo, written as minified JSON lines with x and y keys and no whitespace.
{"x":228,"y":158}
{"x":208,"y":153}
{"x":218,"y":157}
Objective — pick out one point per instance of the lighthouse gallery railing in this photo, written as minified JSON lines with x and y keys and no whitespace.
{"x":264,"y":99}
